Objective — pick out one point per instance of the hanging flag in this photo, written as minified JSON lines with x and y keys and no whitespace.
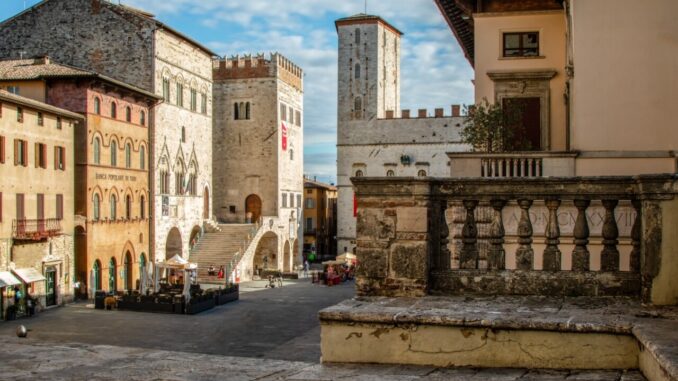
{"x":355,"y":206}
{"x":284,"y":137}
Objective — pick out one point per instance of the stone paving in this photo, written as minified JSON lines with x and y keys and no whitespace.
{"x":30,"y":359}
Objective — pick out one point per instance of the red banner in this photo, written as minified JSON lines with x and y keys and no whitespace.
{"x":355,"y":206}
{"x":284,"y":137}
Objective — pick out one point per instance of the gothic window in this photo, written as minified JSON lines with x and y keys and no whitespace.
{"x":236,"y":113}
{"x":194,"y":100}
{"x":97,"y":151}
{"x":291,"y":154}
{"x":142,"y":207}
{"x":142,"y":118}
{"x":247,"y":110}
{"x":359,"y":173}
{"x":183,"y":134}
{"x":128,"y":155}
{"x":114,"y":153}
{"x":180,"y":95}
{"x":421,"y":173}
{"x":291,"y":120}
{"x":164,"y":182}
{"x":114,"y":110}
{"x":283,"y":112}
{"x":142,"y":157}
{"x":357,"y":71}
{"x":95,"y":207}
{"x":128,"y":114}
{"x":357,"y":35}
{"x":390,"y":173}
{"x":179,"y":182}
{"x":358,"y":108}
{"x":97,"y":106}
{"x":203,"y":103}
{"x":166,"y":89}
{"x":128,"y":207}
{"x":114,"y":200}
{"x":284,"y":200}
{"x":297,"y":118}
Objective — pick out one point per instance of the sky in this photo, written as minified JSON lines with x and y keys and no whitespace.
{"x":434,"y":72}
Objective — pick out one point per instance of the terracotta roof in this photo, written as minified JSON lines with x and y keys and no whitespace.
{"x":459,"y":18}
{"x":33,"y":104}
{"x":43,"y":68}
{"x":308,"y":183}
{"x":361,"y":17}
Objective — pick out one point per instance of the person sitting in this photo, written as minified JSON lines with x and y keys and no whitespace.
{"x":221,"y":273}
{"x":210,"y":270}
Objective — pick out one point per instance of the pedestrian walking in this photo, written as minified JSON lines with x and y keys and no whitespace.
{"x":306,"y":268}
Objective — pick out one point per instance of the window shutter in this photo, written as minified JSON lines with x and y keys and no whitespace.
{"x":60,"y":206}
{"x":2,"y":149}
{"x":63,"y":158}
{"x":37,"y":155}
{"x":25,"y":152}
{"x":16,"y":152}
{"x":56,"y":157}
{"x":44,"y":156}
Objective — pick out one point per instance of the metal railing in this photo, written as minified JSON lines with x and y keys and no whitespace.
{"x":36,"y":229}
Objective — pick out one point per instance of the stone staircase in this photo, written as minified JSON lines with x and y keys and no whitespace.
{"x":218,"y":246}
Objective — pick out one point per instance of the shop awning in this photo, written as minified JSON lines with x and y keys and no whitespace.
{"x":29,"y":275}
{"x":7,"y":279}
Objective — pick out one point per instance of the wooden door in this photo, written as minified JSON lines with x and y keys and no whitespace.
{"x":530,"y":120}
{"x":253,"y":208}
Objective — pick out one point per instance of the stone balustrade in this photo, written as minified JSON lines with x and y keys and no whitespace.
{"x":404,"y":237}
{"x":512,"y":164}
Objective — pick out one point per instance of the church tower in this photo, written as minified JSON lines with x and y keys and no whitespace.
{"x":369,"y":68}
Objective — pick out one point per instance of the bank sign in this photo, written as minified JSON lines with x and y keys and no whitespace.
{"x":284,"y":136}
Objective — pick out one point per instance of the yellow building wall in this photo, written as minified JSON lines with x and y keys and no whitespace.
{"x":489,"y":29}
{"x":625,"y":83}
{"x":29,"y":89}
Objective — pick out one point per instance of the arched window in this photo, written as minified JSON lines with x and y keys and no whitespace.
{"x":357,"y":71}
{"x":247,"y":110}
{"x":142,"y":157}
{"x":128,"y":114}
{"x":128,"y":207}
{"x":358,"y":107}
{"x":128,"y":155}
{"x":241,"y":111}
{"x":97,"y":275}
{"x":359,"y":173}
{"x":142,"y":262}
{"x":357,"y":35}
{"x":142,"y":207}
{"x":142,"y":118}
{"x":97,"y":105}
{"x":164,"y":182}
{"x":97,"y":151}
{"x":111,"y":275}
{"x":291,"y":154}
{"x":183,"y":134}
{"x":114,"y":206}
{"x":236,"y":114}
{"x":114,"y":110}
{"x":421,"y":173}
{"x":114,"y":153}
{"x":390,"y":173}
{"x":95,"y":207}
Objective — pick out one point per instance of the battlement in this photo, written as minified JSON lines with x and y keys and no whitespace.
{"x":258,"y":66}
{"x":424,"y":113}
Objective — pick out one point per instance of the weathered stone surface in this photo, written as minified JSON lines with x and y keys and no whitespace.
{"x":409,"y":261}
{"x":412,"y":220}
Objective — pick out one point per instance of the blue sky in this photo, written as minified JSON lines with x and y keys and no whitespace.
{"x":434,"y":70}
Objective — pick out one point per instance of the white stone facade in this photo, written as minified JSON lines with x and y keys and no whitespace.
{"x":182,"y":141}
{"x":374,"y":136}
{"x":259,"y":152}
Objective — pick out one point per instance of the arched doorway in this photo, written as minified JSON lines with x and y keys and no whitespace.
{"x":173,"y":244}
{"x":96,"y":276}
{"x":128,"y":281}
{"x":112,"y":278}
{"x":266,"y":254}
{"x":142,"y":266}
{"x":206,"y":204}
{"x":286,"y":257}
{"x":296,"y":258}
{"x":80,"y":237}
{"x":253,"y":208}
{"x":195,"y":236}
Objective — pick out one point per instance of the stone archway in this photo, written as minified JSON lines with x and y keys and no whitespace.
{"x":173,"y":245}
{"x":295,"y":252}
{"x":129,"y":271}
{"x":194,"y":237}
{"x":81,"y":268}
{"x":286,"y":257}
{"x":266,"y":254}
{"x":253,"y":206}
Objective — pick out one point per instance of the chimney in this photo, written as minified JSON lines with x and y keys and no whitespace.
{"x":41,"y":61}
{"x":456,"y":110}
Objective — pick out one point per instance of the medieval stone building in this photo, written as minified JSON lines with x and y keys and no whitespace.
{"x":374,"y":136}
{"x":131,"y":46}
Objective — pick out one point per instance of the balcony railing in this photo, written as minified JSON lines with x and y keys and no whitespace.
{"x":595,"y":236}
{"x":36,"y":230}
{"x":512,"y":164}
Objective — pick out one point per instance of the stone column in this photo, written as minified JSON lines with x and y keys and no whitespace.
{"x":524,"y":253}
{"x":497,"y":256}
{"x":468,"y":258}
{"x":609,"y":257}
{"x":634,"y":260}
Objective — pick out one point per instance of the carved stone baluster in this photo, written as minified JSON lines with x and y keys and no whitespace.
{"x":444,"y":261}
{"x":497,"y":256}
{"x":539,"y":168}
{"x":551,"y":252}
{"x":516,"y":166}
{"x":524,"y":253}
{"x":468,"y":258}
{"x":580,"y":254}
{"x":634,"y":260}
{"x":609,"y":257}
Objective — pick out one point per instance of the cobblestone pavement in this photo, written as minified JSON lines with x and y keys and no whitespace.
{"x":280,"y":323}
{"x":29,"y":359}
